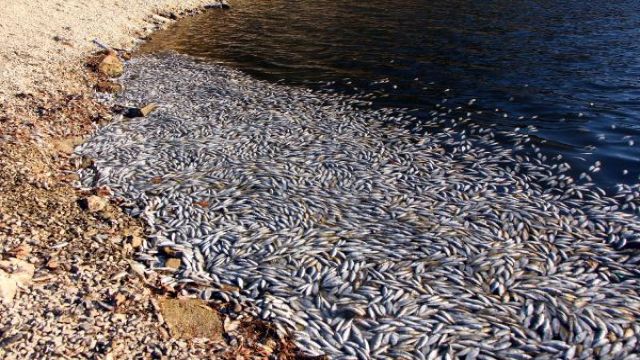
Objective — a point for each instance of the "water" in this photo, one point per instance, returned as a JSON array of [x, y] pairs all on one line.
[[566, 72]]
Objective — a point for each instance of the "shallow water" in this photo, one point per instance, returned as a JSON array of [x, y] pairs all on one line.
[[570, 69]]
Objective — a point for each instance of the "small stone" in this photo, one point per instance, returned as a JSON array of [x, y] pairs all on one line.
[[21, 251], [14, 273], [135, 241], [67, 145], [190, 318], [53, 264], [94, 203], [173, 263], [220, 4], [72, 177], [83, 162], [230, 325], [142, 111], [106, 86], [119, 299], [237, 308], [172, 16], [111, 66], [169, 251], [8, 287], [63, 40]]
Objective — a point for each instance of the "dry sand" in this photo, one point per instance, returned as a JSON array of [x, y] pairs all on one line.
[[45, 41]]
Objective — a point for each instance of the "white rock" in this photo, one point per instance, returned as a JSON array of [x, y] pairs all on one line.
[[14, 273], [8, 287]]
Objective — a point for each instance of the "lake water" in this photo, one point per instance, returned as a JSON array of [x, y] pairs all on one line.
[[568, 73]]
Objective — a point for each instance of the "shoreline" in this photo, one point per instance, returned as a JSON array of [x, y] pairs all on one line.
[[70, 286]]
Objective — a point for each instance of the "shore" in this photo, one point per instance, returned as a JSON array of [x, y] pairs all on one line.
[[69, 285], [265, 215]]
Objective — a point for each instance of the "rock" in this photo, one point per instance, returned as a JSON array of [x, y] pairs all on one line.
[[111, 66], [63, 40], [119, 299], [161, 19], [21, 251], [135, 241], [67, 145], [220, 4], [71, 177], [53, 264], [190, 318], [169, 251], [169, 14], [8, 287], [132, 237], [141, 112], [106, 86], [13, 274], [229, 325], [173, 263], [86, 162], [94, 203], [237, 308]]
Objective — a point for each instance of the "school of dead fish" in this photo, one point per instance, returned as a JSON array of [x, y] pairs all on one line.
[[366, 240]]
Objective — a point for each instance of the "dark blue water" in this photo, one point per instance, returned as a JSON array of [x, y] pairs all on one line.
[[567, 72]]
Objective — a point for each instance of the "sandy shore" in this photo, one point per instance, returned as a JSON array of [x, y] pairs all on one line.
[[44, 43], [68, 285]]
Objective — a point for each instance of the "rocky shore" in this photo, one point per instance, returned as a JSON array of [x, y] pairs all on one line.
[[69, 287]]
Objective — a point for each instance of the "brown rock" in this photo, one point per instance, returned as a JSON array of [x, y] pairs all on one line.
[[148, 109], [83, 162], [190, 318], [119, 299], [72, 177], [53, 264], [173, 263], [67, 145], [135, 241], [111, 66], [169, 251], [133, 237], [21, 251], [108, 87], [94, 203], [141, 112], [63, 40]]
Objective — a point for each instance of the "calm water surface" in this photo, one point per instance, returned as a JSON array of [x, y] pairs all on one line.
[[567, 72]]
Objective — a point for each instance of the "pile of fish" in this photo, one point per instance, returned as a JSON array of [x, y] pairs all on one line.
[[364, 239]]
